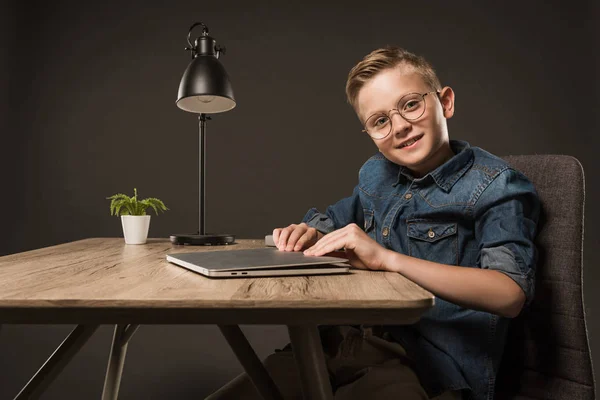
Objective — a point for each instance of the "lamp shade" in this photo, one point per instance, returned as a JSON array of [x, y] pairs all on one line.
[[205, 87]]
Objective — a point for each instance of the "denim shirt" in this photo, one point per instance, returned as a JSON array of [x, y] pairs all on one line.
[[474, 211]]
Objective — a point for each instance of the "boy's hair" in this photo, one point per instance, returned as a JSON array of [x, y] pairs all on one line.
[[387, 58]]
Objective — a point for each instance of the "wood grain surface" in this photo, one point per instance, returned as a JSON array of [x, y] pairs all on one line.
[[103, 280]]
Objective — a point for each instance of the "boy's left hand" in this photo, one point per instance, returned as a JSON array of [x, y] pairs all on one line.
[[361, 251]]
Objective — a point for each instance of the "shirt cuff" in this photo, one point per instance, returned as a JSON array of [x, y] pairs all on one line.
[[503, 260], [319, 221]]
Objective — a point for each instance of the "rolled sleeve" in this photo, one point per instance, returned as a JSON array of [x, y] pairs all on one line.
[[504, 260], [319, 221], [506, 225]]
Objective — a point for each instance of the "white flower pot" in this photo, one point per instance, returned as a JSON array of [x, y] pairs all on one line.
[[135, 228]]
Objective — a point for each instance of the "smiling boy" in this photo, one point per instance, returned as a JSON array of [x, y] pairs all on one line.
[[453, 218]]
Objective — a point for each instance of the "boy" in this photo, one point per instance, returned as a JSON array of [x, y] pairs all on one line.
[[455, 219]]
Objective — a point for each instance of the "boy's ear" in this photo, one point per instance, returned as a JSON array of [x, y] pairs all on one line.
[[447, 100]]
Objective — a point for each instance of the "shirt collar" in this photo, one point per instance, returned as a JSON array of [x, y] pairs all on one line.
[[447, 174]]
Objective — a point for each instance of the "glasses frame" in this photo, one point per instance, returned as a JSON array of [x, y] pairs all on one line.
[[397, 109]]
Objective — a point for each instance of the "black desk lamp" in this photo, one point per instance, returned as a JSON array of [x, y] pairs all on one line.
[[204, 89]]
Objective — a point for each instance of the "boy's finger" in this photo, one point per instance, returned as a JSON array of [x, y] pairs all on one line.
[[276, 232], [323, 249], [283, 238], [309, 238], [315, 234], [329, 242], [302, 242], [285, 235], [296, 234]]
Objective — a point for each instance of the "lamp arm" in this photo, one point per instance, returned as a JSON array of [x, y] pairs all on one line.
[[192, 48], [204, 32]]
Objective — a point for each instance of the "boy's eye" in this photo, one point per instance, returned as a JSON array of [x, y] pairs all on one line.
[[409, 105], [381, 121]]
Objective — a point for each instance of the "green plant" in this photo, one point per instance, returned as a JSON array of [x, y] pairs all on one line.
[[121, 204]]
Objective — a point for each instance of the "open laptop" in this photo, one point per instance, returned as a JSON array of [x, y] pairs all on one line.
[[257, 262]]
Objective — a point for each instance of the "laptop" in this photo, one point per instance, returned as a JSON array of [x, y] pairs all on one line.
[[257, 262]]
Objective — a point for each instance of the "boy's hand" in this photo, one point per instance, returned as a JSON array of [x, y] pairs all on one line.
[[362, 251], [295, 237]]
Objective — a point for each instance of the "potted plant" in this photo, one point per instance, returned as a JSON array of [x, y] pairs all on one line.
[[133, 215]]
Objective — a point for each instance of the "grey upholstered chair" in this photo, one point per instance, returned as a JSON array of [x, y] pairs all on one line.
[[547, 355]]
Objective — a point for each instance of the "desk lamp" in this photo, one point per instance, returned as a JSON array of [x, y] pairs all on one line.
[[204, 89]]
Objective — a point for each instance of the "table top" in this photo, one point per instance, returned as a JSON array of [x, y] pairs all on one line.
[[105, 281]]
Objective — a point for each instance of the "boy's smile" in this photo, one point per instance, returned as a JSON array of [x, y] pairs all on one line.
[[410, 143], [422, 144]]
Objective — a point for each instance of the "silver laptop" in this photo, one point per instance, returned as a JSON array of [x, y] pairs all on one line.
[[257, 262]]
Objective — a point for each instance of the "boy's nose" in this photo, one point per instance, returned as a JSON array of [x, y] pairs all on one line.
[[400, 126]]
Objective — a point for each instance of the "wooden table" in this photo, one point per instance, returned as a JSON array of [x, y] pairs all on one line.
[[104, 281]]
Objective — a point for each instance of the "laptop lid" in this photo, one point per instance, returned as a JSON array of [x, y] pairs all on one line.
[[257, 262]]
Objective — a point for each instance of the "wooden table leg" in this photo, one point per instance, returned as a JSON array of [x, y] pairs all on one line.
[[116, 361], [56, 362], [252, 365], [308, 352]]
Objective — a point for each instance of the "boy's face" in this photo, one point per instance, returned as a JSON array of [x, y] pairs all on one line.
[[382, 93]]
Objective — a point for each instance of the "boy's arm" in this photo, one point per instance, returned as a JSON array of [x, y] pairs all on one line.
[[505, 227], [506, 216], [477, 289]]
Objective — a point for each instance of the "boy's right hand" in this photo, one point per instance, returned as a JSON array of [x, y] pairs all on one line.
[[295, 237]]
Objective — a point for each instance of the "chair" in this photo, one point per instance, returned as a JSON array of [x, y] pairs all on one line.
[[547, 353]]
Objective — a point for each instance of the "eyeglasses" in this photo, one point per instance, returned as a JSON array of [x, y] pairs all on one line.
[[410, 106]]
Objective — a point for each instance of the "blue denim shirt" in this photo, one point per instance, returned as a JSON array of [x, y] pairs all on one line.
[[474, 211]]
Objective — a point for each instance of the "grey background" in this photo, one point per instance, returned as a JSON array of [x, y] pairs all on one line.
[[88, 110]]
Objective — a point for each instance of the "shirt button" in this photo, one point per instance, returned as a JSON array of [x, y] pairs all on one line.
[[386, 231], [408, 196], [431, 234]]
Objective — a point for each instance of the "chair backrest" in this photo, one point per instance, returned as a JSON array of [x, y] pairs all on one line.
[[547, 354]]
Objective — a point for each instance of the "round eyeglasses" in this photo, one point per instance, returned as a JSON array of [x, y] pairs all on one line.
[[411, 106]]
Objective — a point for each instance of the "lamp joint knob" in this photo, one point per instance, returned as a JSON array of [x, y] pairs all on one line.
[[220, 50]]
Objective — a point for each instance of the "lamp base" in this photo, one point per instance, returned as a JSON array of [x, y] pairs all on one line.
[[202, 240]]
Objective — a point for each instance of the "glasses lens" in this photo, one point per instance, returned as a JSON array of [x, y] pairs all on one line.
[[411, 106], [378, 126]]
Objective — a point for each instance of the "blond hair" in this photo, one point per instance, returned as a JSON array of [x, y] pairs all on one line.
[[387, 58]]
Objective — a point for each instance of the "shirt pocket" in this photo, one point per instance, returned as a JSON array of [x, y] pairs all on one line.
[[434, 241], [369, 226]]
